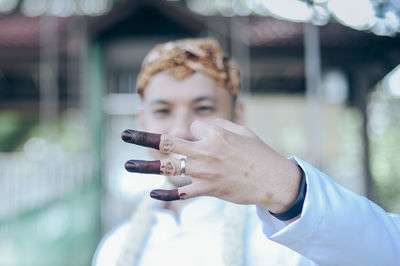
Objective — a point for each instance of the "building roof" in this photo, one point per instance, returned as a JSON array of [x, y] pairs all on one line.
[[270, 32], [18, 31]]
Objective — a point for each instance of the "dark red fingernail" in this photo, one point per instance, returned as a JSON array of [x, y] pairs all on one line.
[[182, 195], [141, 138], [165, 195], [146, 167], [126, 135]]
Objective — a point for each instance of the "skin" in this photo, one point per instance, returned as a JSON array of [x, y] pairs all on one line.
[[224, 159], [148, 140], [170, 106], [147, 167]]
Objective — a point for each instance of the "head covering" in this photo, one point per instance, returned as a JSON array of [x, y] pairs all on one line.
[[183, 57]]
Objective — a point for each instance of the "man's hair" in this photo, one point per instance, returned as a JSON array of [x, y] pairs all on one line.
[[183, 57]]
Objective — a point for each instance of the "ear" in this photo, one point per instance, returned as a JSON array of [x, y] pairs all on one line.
[[140, 119], [239, 114]]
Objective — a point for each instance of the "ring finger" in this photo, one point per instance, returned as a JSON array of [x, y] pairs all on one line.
[[168, 167]]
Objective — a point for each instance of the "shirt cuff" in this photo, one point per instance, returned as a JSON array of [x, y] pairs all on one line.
[[311, 216]]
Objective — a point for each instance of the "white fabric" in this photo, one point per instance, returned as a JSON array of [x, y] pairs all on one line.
[[337, 227], [195, 239]]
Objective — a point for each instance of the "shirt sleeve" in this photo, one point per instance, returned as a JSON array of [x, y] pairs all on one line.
[[337, 226]]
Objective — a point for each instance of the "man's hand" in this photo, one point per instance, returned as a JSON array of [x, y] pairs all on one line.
[[227, 161]]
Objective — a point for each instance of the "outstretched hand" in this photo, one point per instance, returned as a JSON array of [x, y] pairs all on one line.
[[227, 161]]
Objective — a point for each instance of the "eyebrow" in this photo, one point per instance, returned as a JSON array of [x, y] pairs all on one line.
[[204, 98], [197, 100], [155, 102]]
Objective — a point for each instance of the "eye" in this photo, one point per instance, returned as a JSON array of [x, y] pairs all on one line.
[[204, 110], [161, 111]]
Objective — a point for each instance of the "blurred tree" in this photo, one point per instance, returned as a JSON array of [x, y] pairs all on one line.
[[384, 136]]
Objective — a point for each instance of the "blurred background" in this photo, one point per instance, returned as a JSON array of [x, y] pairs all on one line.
[[321, 80]]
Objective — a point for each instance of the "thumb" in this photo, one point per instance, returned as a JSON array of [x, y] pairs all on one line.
[[233, 127], [200, 129]]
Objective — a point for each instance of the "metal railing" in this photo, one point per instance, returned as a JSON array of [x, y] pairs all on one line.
[[26, 185]]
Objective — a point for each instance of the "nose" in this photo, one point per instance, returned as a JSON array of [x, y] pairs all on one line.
[[180, 126]]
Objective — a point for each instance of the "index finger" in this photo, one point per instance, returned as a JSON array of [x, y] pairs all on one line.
[[163, 142]]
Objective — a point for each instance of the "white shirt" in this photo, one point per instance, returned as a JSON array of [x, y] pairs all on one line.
[[337, 227], [196, 238]]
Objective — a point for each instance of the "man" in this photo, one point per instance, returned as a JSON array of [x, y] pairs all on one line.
[[189, 88]]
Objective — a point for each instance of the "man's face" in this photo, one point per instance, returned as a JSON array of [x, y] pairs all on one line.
[[170, 106]]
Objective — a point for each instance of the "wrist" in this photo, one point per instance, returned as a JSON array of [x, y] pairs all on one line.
[[285, 190], [296, 207]]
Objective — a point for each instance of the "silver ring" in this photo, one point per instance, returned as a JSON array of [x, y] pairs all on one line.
[[183, 167]]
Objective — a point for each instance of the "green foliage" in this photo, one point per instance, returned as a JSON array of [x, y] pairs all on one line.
[[14, 130], [70, 133], [384, 134]]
